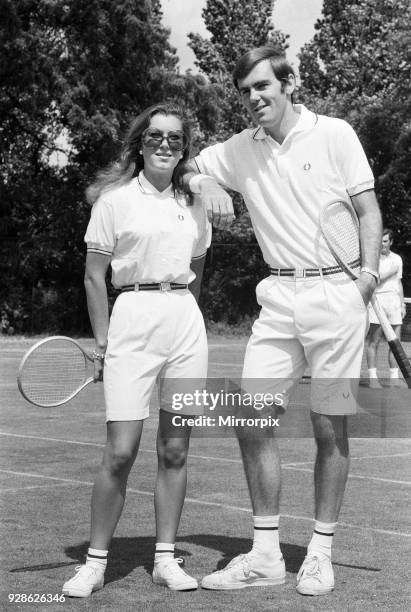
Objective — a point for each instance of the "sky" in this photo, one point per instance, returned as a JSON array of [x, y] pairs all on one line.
[[293, 17]]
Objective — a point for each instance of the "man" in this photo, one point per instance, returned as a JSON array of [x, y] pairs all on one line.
[[390, 296], [287, 169]]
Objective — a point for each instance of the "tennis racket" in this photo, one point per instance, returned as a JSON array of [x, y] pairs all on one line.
[[53, 371], [340, 229]]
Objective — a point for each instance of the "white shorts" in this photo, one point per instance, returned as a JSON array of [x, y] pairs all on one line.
[[320, 323], [153, 335], [390, 302]]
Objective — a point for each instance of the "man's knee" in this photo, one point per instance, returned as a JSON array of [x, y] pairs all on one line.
[[330, 432]]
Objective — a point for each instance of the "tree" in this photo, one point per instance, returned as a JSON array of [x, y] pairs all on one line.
[[235, 27], [72, 75], [358, 67]]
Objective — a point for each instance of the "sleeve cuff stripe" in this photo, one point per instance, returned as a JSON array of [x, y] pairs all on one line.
[[361, 187], [198, 256], [100, 251]]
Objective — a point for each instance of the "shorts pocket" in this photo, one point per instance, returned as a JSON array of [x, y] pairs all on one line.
[[358, 299], [262, 288]]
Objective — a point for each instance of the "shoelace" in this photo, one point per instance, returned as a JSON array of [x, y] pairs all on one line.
[[85, 568], [179, 561], [312, 568], [236, 561]]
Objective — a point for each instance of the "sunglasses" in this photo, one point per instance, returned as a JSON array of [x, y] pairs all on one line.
[[154, 138]]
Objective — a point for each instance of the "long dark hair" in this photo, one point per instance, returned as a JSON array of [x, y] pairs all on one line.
[[130, 161]]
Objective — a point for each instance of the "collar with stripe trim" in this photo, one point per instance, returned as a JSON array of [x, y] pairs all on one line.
[[306, 121], [147, 188]]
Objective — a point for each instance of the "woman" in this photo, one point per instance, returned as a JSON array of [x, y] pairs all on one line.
[[143, 225]]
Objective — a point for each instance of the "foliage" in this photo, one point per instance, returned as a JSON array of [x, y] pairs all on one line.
[[235, 263], [358, 67], [72, 75], [235, 27]]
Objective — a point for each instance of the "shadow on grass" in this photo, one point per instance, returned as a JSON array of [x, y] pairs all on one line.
[[127, 554], [231, 547]]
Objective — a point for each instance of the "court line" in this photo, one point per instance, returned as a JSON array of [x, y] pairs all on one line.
[[17, 489], [360, 476], [192, 500], [288, 465]]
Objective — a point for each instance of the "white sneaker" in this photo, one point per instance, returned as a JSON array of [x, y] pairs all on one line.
[[244, 571], [316, 576], [375, 384], [169, 573], [87, 579]]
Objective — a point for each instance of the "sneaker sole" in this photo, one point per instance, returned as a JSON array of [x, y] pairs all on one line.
[[74, 593], [243, 585], [307, 591], [177, 588], [193, 587]]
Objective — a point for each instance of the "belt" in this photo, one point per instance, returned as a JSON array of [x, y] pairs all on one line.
[[309, 272], [154, 287]]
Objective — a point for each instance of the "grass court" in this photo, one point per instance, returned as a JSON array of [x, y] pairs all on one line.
[[48, 461]]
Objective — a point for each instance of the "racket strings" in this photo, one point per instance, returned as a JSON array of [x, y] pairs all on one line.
[[341, 230], [53, 372]]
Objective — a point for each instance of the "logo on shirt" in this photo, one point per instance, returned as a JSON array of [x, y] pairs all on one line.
[[307, 166]]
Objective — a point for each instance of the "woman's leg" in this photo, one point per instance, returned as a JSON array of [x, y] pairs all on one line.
[[109, 491], [169, 497], [171, 480], [123, 439]]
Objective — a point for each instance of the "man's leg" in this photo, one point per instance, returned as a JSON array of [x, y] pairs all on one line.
[[334, 326], [394, 374], [371, 343], [330, 476], [264, 564], [331, 466], [273, 356]]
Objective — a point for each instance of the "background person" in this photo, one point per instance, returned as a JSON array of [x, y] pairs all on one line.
[[288, 168], [390, 294], [142, 224]]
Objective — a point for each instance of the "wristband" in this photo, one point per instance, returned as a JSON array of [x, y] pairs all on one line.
[[371, 272], [194, 182], [99, 356]]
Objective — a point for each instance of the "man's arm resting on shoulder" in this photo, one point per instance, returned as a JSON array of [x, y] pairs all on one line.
[[218, 203], [369, 216]]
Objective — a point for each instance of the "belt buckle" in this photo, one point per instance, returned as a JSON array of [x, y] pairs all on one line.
[[136, 286], [165, 286], [299, 273]]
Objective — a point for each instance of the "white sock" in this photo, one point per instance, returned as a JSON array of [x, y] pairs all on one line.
[[394, 373], [163, 551], [97, 558], [266, 540], [322, 538], [372, 372]]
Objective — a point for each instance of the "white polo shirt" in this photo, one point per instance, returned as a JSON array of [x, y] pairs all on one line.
[[390, 269], [285, 186], [151, 236]]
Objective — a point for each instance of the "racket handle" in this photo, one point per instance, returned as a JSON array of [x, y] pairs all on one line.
[[393, 342]]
